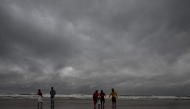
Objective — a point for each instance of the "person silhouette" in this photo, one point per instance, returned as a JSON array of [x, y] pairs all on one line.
[[95, 97], [40, 96], [114, 95], [52, 95], [102, 99]]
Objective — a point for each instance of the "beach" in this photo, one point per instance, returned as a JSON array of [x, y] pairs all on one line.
[[88, 104]]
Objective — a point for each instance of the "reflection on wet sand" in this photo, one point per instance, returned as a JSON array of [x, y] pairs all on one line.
[[99, 107], [113, 107], [40, 107]]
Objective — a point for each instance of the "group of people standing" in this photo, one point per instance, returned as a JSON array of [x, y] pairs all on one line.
[[52, 95], [99, 98]]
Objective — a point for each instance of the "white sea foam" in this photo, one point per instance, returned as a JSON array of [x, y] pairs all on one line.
[[83, 96]]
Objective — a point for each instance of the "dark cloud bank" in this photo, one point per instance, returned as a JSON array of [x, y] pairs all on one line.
[[135, 46]]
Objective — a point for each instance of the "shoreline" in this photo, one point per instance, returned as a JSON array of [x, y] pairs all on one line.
[[88, 103]]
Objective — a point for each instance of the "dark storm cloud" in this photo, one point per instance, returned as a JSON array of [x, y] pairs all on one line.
[[137, 47]]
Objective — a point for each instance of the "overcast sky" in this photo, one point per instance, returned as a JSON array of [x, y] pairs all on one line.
[[136, 47]]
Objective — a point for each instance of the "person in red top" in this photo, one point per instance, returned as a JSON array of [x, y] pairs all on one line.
[[95, 97], [102, 94], [40, 96]]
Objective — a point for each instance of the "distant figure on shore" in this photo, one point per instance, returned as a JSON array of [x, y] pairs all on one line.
[[40, 96], [114, 95], [52, 95], [95, 97], [102, 99]]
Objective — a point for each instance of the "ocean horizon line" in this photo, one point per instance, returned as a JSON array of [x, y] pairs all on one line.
[[88, 96]]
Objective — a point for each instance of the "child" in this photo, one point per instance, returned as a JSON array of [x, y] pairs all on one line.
[[99, 102], [40, 97]]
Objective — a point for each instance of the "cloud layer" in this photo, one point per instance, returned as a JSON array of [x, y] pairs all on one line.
[[137, 47]]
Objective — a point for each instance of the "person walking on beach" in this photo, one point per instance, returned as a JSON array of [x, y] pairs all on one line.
[[102, 94], [114, 95], [95, 97], [52, 95], [40, 96]]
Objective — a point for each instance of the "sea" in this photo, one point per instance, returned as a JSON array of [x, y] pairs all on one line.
[[85, 96]]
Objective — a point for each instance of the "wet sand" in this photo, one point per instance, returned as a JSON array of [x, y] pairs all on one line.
[[88, 104]]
